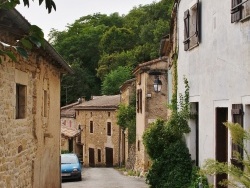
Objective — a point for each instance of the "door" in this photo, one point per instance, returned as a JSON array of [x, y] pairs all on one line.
[[91, 157], [221, 141], [109, 157], [70, 145]]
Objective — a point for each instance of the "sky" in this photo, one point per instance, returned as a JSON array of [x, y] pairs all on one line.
[[67, 11]]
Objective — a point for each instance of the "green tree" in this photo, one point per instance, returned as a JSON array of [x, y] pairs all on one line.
[[117, 40], [35, 37], [113, 80], [81, 84], [110, 62]]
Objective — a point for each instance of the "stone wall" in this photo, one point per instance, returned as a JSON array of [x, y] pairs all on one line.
[[29, 147], [99, 139]]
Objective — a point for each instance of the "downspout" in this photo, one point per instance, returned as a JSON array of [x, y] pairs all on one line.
[[119, 144]]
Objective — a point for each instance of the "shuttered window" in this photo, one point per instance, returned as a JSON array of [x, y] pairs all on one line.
[[192, 26], [240, 10], [237, 117]]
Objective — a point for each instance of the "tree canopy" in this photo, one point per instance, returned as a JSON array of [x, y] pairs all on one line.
[[101, 43]]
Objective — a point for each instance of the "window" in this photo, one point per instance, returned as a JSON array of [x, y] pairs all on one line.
[[99, 156], [20, 101], [109, 128], [240, 10], [138, 145], [45, 103], [108, 114], [192, 30], [139, 101], [91, 127]]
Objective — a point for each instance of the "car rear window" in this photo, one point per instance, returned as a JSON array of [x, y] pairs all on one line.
[[68, 159]]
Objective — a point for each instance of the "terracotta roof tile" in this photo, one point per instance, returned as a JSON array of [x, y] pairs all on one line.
[[101, 102]]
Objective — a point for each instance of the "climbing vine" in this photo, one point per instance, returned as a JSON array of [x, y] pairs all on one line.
[[126, 119]]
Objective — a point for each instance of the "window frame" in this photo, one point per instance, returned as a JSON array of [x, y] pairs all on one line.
[[109, 129], [237, 10], [91, 127], [192, 40], [21, 101]]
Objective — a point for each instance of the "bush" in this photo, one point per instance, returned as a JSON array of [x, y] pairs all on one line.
[[173, 169], [198, 178]]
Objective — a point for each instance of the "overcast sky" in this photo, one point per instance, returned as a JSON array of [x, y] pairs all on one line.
[[67, 11]]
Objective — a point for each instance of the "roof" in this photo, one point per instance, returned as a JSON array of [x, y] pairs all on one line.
[[22, 27], [127, 83], [146, 65], [69, 132], [68, 110], [107, 102]]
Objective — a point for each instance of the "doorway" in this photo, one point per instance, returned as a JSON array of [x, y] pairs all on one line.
[[109, 157], [91, 157], [221, 141]]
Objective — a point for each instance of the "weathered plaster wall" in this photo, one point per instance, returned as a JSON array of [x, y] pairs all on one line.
[[218, 69], [29, 147]]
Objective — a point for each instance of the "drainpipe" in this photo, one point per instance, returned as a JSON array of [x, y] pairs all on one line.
[[119, 148]]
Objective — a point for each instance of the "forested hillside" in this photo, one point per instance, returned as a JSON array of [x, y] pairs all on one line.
[[104, 49]]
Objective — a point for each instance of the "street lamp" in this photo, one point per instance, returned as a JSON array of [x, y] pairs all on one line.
[[157, 84]]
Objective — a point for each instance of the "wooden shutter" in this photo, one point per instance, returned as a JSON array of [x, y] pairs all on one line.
[[237, 117], [140, 100], [198, 22], [236, 11], [186, 30], [137, 101]]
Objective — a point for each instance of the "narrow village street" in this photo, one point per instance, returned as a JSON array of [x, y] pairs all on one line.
[[105, 178]]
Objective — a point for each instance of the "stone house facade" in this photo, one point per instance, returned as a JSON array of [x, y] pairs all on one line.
[[213, 50], [150, 105], [100, 133], [127, 148], [70, 130], [30, 111]]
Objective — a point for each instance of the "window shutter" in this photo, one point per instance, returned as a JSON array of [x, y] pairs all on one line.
[[186, 30], [140, 101], [137, 101], [236, 12], [237, 117], [198, 22]]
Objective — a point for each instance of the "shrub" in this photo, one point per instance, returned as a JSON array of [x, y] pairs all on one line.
[[173, 169]]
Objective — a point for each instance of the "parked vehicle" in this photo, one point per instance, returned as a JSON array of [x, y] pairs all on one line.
[[71, 167]]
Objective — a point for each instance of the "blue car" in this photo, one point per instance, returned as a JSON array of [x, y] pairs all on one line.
[[71, 167]]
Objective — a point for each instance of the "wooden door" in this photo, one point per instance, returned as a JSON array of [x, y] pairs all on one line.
[[91, 157], [221, 141], [109, 157]]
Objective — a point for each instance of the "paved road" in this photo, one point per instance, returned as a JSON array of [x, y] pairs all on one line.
[[105, 178]]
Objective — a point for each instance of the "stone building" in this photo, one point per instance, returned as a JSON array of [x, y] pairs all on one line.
[[30, 111], [70, 130], [151, 102], [211, 41], [100, 132], [127, 148]]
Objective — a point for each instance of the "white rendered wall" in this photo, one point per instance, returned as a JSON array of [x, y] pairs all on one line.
[[218, 70]]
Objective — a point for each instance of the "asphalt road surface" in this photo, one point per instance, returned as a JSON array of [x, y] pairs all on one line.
[[105, 178]]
